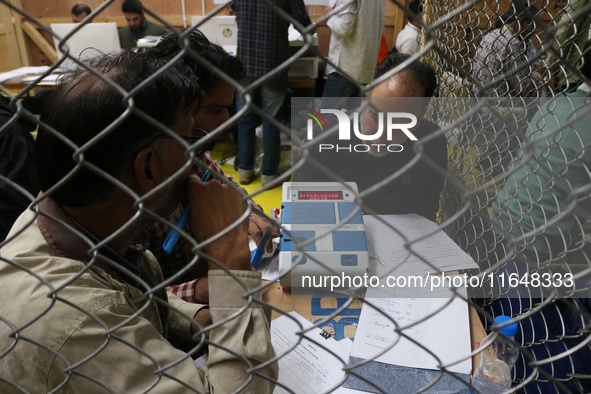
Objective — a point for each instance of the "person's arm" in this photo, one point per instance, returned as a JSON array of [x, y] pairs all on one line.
[[145, 360], [342, 22], [299, 13], [242, 340], [159, 30], [246, 333], [186, 291]]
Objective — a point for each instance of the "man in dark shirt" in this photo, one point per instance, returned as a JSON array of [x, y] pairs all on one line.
[[137, 25], [401, 172], [17, 164], [263, 45]]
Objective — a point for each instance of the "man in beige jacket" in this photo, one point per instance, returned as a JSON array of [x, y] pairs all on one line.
[[80, 311]]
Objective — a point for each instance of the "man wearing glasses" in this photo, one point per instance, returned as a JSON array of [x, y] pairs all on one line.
[[218, 101], [80, 310]]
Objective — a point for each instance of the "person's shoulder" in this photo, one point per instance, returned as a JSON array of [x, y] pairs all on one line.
[[407, 29], [153, 29], [155, 26], [124, 31]]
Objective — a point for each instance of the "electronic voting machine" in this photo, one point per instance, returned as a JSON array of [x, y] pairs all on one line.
[[322, 231]]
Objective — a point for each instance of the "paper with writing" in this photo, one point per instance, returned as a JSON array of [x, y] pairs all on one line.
[[309, 367], [387, 235], [439, 324]]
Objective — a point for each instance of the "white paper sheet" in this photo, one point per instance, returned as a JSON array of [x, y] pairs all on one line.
[[16, 75], [446, 333], [49, 80], [269, 266], [387, 245], [309, 368]]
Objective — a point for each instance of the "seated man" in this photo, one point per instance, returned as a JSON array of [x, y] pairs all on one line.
[[408, 40], [137, 25], [81, 311], [405, 181], [218, 101], [79, 12], [542, 213], [509, 52]]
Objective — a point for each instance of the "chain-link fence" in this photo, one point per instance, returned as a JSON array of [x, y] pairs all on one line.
[[501, 164]]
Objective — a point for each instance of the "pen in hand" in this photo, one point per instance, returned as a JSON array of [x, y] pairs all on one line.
[[257, 254], [173, 235]]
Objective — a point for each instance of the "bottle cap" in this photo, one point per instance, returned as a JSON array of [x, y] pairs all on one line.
[[509, 330]]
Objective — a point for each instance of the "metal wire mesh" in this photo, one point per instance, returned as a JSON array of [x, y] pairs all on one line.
[[516, 199]]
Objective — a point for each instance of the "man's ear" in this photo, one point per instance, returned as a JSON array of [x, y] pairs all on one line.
[[148, 169]]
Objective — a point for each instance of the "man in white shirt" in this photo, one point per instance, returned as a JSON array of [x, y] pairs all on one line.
[[407, 40], [357, 28]]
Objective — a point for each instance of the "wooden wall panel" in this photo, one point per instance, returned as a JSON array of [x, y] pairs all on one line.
[[479, 17], [12, 39], [58, 11]]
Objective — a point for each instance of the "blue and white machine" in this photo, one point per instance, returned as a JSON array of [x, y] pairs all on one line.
[[326, 211]]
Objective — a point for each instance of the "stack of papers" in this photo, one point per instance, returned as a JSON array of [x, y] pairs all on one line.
[[411, 245], [148, 41], [296, 39], [440, 324], [406, 334], [408, 340], [50, 80], [17, 75]]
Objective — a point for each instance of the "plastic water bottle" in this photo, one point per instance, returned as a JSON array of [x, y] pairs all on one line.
[[493, 374]]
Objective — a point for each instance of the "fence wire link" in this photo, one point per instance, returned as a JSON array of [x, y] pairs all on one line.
[[516, 196]]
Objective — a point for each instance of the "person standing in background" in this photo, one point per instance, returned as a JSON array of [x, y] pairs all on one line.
[[357, 28], [263, 46], [407, 41], [137, 25], [213, 112]]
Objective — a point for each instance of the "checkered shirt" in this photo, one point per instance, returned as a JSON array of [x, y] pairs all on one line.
[[262, 34]]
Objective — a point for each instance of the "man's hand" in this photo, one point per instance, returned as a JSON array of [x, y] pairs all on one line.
[[257, 226], [215, 207]]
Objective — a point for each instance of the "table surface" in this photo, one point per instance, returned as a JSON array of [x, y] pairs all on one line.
[[314, 309]]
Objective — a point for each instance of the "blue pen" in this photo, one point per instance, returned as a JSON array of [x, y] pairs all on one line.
[[257, 254], [173, 235]]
